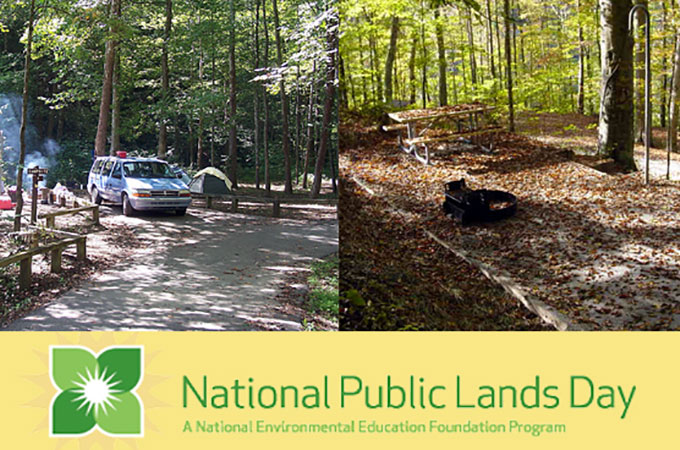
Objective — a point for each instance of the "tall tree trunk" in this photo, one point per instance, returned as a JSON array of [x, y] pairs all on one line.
[[201, 158], [256, 109], [581, 62], [508, 64], [24, 120], [616, 108], [115, 107], [674, 110], [514, 37], [364, 90], [471, 44], [498, 40], [638, 135], [233, 151], [490, 37], [439, 31], [389, 62], [265, 100], [310, 128], [105, 104], [331, 162], [345, 80], [165, 83], [664, 68], [412, 70], [422, 42], [214, 157], [332, 42], [297, 125], [285, 135], [454, 83]]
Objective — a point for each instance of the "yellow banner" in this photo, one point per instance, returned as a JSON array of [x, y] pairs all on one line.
[[339, 390]]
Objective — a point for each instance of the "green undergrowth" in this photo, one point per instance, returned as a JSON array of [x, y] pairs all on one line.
[[323, 287]]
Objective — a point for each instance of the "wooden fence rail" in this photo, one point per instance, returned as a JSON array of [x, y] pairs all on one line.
[[50, 217], [55, 249], [274, 201]]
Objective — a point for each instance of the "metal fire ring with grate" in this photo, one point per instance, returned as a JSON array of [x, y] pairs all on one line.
[[483, 205]]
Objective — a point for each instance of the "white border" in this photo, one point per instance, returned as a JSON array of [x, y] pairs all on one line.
[[96, 426]]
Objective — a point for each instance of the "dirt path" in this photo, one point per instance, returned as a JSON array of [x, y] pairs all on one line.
[[206, 271]]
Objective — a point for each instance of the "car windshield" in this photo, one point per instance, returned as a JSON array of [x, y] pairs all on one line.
[[147, 169]]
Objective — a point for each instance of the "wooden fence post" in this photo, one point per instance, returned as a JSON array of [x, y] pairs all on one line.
[[82, 249], [276, 210], [234, 204], [56, 260], [95, 215], [208, 201], [25, 272]]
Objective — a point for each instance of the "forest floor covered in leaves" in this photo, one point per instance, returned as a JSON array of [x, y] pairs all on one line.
[[601, 250], [578, 133]]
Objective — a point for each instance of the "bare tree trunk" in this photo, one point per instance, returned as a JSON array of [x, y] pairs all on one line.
[[345, 79], [24, 120], [639, 132], [107, 85], [439, 31], [165, 83], [498, 40], [581, 62], [672, 131], [297, 125], [616, 108], [265, 99], [471, 44], [490, 37], [389, 62], [115, 108], [332, 42], [285, 135], [233, 151], [310, 129], [422, 42], [200, 150], [412, 70], [256, 109], [664, 68], [508, 63], [375, 71]]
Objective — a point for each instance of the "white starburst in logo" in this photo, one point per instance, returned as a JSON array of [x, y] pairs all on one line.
[[96, 391]]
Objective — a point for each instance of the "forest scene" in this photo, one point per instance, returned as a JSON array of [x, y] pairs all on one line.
[[568, 215], [225, 110]]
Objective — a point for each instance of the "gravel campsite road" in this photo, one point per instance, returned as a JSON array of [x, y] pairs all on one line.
[[207, 271]]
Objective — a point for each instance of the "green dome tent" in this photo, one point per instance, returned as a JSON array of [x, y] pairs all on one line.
[[210, 181]]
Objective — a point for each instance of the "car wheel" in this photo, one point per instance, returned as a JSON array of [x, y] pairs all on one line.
[[128, 210], [181, 212], [96, 198]]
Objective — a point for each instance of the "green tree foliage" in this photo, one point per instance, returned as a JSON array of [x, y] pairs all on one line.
[[68, 61], [545, 52]]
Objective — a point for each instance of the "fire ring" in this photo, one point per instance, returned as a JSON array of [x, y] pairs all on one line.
[[483, 205]]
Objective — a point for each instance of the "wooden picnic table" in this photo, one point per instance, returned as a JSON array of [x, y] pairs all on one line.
[[461, 120]]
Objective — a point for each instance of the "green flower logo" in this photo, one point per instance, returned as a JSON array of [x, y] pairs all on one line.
[[96, 391]]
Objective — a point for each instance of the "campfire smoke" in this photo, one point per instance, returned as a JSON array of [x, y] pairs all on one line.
[[39, 151]]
